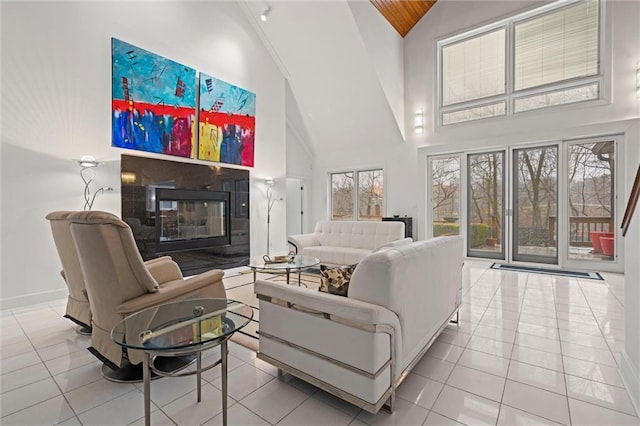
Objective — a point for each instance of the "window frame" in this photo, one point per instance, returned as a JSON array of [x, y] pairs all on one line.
[[356, 183], [511, 95]]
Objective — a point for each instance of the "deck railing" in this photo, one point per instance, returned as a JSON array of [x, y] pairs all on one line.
[[580, 229]]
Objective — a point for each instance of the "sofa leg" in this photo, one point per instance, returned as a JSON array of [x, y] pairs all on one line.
[[280, 372], [456, 321], [391, 402]]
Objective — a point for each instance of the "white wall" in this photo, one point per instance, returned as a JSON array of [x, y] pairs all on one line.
[[630, 365], [56, 105], [618, 115], [385, 49], [299, 149], [341, 98]]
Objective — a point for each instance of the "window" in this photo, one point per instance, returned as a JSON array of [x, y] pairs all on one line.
[[357, 191], [445, 196], [474, 68], [555, 61], [342, 196]]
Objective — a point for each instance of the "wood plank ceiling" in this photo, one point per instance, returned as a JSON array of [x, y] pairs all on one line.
[[403, 14]]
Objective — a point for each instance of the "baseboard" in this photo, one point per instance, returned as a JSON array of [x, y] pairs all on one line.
[[33, 299], [631, 380]]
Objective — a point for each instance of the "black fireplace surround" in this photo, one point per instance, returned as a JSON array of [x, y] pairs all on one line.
[[197, 214]]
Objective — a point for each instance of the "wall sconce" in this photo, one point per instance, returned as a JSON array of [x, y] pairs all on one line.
[[418, 122], [638, 80], [265, 15], [87, 165]]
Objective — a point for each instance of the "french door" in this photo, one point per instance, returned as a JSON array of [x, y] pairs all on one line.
[[486, 205], [535, 204], [549, 204]]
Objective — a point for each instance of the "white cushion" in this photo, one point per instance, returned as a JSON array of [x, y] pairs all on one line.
[[358, 234], [397, 243], [336, 255]]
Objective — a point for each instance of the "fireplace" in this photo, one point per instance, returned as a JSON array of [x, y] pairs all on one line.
[[187, 219], [197, 214]]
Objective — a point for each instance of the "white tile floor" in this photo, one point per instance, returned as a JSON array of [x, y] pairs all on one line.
[[530, 349]]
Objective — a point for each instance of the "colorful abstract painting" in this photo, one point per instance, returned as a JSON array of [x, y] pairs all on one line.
[[153, 102], [226, 121]]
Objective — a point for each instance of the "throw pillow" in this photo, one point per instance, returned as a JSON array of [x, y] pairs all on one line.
[[336, 280]]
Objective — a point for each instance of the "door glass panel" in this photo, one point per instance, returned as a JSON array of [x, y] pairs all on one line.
[[591, 201], [485, 205], [535, 204], [445, 196]]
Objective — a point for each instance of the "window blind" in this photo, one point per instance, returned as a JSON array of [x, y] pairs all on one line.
[[474, 68], [557, 46]]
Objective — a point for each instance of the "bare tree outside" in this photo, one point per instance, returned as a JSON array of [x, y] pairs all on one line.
[[342, 187], [591, 179], [590, 220], [485, 201], [369, 185], [536, 200], [370, 195], [591, 198], [445, 196]]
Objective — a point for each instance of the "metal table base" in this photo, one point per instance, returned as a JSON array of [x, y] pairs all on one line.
[[147, 367]]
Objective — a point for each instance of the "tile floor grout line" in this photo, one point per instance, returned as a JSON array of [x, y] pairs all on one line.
[[526, 384], [444, 384], [504, 388], [464, 349], [296, 407], [564, 376], [62, 393], [599, 328]]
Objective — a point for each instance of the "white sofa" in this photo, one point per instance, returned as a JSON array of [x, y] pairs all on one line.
[[347, 242], [362, 346]]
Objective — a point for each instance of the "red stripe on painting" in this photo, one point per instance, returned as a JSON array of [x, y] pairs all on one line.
[[220, 118], [156, 109]]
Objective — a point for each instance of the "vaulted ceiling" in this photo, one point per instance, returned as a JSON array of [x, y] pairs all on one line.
[[403, 14], [332, 75]]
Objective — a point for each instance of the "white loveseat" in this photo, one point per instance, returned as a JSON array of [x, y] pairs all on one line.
[[347, 242], [361, 347]]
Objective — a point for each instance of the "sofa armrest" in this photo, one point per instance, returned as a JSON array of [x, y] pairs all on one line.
[[392, 244], [301, 241], [156, 260], [212, 275], [315, 302], [163, 270], [176, 290], [334, 311]]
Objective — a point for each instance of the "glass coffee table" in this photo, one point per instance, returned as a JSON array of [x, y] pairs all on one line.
[[296, 264], [187, 327]]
